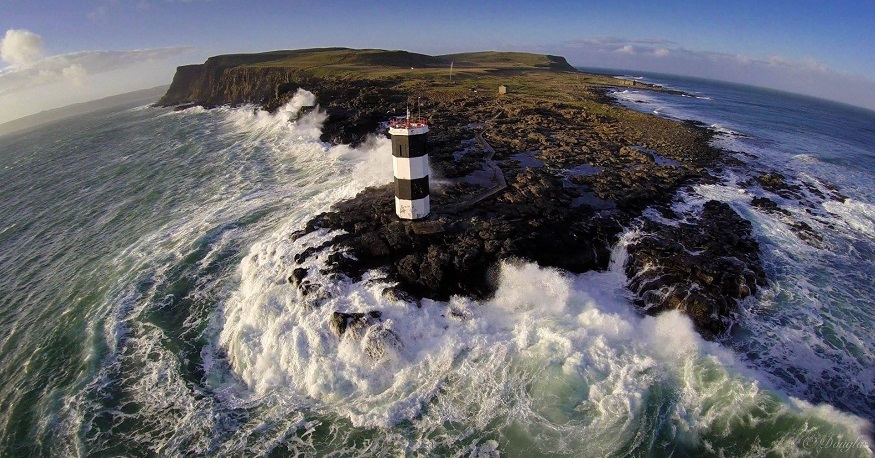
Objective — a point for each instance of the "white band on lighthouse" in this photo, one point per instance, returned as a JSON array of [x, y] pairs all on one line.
[[416, 209], [410, 166]]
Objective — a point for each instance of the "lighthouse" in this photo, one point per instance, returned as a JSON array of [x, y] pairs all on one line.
[[410, 163]]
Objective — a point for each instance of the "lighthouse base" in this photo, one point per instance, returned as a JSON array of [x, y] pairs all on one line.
[[412, 209]]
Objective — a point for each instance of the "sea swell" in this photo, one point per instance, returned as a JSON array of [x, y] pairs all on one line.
[[200, 345], [810, 205], [157, 334], [554, 363]]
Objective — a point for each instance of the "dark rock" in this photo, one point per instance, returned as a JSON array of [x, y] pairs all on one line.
[[378, 340], [393, 293], [454, 253], [297, 275], [184, 106], [768, 205], [342, 322], [307, 288], [776, 183], [802, 229], [368, 328], [371, 244], [807, 234], [700, 267], [541, 216]]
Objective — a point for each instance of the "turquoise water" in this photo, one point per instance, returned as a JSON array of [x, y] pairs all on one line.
[[144, 310]]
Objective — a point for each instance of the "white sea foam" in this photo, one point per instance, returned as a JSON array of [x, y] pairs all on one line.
[[260, 122], [311, 176], [721, 129], [631, 96], [554, 363], [860, 216], [806, 330], [564, 356], [807, 327], [806, 158], [195, 109]]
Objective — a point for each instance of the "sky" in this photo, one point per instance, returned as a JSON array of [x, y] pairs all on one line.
[[54, 53]]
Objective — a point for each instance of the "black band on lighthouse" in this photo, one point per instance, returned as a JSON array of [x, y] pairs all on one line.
[[411, 189], [409, 145]]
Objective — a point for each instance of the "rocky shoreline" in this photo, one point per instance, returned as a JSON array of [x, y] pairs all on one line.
[[564, 206], [578, 169]]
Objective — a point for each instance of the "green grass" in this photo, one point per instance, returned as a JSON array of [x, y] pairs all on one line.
[[495, 59], [526, 73], [536, 76], [370, 60]]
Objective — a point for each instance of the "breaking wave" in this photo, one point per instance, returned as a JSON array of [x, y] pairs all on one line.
[[200, 345]]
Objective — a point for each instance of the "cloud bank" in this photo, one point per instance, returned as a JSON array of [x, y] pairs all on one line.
[[75, 67], [30, 82], [805, 76]]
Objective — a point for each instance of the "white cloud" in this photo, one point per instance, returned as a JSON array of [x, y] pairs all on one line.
[[103, 13], [32, 83], [661, 52], [616, 41], [75, 67], [21, 47], [75, 74], [805, 76], [811, 63]]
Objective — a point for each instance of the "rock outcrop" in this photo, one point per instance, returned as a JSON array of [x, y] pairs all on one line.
[[456, 252], [700, 267]]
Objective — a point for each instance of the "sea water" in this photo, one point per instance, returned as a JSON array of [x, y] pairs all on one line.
[[145, 307], [812, 329]]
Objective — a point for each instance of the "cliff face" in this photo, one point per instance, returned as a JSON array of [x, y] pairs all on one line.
[[354, 107], [213, 85], [266, 77], [355, 87], [560, 64], [183, 86]]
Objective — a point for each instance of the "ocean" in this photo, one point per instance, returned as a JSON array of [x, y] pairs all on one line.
[[144, 306]]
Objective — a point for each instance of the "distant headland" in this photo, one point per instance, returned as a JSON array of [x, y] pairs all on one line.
[[576, 167], [57, 114]]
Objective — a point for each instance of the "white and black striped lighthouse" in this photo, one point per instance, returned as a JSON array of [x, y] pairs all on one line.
[[410, 163]]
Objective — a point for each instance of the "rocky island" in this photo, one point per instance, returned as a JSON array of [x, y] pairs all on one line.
[[550, 171]]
